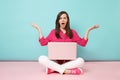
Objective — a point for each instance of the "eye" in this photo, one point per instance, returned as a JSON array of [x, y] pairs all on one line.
[[65, 18], [60, 18]]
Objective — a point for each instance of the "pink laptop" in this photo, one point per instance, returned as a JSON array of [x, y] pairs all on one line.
[[62, 50]]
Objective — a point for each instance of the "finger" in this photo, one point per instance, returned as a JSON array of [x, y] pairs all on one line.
[[32, 24], [96, 26]]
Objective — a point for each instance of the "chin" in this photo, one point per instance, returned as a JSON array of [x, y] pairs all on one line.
[[63, 27]]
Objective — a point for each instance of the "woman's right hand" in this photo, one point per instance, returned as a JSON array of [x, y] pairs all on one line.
[[35, 26], [38, 28]]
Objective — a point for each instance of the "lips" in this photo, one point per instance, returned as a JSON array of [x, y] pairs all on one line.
[[62, 23]]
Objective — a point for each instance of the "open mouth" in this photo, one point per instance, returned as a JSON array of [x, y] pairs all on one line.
[[62, 23]]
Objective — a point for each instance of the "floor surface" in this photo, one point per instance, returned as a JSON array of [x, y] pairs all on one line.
[[35, 71]]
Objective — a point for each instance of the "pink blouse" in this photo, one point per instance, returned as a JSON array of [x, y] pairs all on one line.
[[64, 38]]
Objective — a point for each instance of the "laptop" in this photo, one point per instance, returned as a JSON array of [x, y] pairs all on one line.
[[62, 50]]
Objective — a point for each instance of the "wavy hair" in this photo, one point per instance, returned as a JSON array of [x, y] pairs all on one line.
[[67, 27]]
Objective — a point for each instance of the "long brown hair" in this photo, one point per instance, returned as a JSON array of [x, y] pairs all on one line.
[[67, 27]]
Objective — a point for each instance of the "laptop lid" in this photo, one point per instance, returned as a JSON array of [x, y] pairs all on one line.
[[62, 50]]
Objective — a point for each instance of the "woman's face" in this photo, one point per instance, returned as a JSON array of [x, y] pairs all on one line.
[[63, 21]]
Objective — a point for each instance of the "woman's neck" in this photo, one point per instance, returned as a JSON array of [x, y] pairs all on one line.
[[63, 30]]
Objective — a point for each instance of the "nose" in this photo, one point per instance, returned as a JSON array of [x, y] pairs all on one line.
[[62, 19]]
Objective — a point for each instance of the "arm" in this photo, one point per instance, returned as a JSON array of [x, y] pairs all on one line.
[[89, 29], [38, 29]]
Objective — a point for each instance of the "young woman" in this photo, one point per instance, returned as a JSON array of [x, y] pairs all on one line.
[[63, 33]]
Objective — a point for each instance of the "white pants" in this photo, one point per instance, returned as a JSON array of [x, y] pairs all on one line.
[[44, 60]]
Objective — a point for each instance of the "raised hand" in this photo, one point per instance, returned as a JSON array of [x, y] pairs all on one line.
[[35, 26], [93, 27], [38, 28]]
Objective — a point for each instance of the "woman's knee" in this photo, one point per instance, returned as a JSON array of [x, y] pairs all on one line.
[[42, 58], [80, 60]]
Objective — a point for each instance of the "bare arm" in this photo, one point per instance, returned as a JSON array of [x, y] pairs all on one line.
[[38, 29], [89, 29]]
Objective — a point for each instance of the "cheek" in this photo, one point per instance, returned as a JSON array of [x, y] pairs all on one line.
[[59, 21], [66, 20]]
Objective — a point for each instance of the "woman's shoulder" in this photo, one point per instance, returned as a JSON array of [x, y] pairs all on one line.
[[53, 30], [73, 31]]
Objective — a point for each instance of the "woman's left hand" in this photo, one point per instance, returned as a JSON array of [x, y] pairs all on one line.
[[93, 27]]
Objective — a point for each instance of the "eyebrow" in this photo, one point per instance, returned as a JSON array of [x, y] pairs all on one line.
[[63, 17]]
